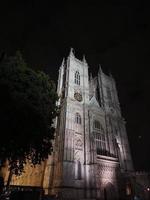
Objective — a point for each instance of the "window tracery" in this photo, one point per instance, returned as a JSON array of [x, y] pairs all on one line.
[[77, 78], [97, 125], [100, 140]]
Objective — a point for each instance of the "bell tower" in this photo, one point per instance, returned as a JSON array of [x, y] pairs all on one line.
[[72, 127]]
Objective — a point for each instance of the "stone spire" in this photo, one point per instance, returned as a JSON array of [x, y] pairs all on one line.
[[71, 54], [63, 62], [100, 69], [60, 79], [84, 60]]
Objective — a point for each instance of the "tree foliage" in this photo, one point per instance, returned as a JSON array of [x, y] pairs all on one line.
[[27, 109]]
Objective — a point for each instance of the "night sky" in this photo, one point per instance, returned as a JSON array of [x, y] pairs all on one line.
[[115, 34]]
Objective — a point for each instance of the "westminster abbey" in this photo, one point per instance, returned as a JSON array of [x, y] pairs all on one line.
[[91, 158]]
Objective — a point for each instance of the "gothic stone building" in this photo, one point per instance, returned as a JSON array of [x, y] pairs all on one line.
[[92, 149], [91, 158]]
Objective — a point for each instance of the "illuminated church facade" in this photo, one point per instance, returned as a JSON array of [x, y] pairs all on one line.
[[91, 158], [91, 147]]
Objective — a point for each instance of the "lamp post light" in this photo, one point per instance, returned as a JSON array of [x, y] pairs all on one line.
[[148, 191]]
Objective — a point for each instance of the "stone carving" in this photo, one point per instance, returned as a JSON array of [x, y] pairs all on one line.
[[78, 144], [105, 173]]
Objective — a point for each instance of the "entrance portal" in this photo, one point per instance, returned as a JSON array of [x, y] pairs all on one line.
[[110, 192]]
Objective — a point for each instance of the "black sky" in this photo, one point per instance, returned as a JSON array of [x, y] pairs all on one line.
[[115, 34]]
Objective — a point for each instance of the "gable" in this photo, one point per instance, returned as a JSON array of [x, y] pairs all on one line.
[[94, 102]]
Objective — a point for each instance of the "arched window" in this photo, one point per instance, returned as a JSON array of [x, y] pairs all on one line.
[[100, 139], [97, 125], [100, 143], [77, 78], [78, 118]]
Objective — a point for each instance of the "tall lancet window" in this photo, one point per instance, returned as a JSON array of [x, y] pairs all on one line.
[[100, 140], [77, 118], [109, 93], [109, 96], [77, 78]]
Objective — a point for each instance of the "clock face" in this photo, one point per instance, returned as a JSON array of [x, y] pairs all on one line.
[[78, 96]]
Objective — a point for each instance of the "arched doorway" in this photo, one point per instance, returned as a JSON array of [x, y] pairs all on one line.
[[110, 192]]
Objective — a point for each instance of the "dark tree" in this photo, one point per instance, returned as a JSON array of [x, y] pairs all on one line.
[[27, 110]]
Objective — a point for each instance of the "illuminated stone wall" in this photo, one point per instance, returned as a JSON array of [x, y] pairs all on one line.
[[85, 165], [35, 176]]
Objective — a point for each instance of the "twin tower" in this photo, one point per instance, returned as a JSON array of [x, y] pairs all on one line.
[[91, 156]]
